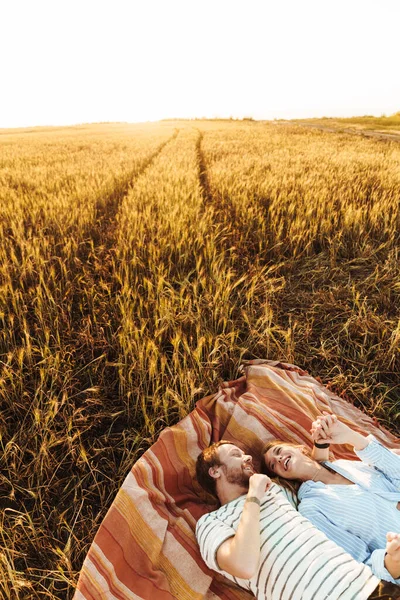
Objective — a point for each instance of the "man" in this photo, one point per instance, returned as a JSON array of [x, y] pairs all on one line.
[[259, 540]]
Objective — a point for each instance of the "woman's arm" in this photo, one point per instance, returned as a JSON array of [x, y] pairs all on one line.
[[368, 449], [377, 455], [376, 560]]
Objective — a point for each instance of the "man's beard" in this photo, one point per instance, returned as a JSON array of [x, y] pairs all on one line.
[[237, 476]]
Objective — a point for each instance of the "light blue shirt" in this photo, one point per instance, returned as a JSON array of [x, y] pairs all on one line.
[[358, 517]]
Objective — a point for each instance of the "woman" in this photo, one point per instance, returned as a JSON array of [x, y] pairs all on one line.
[[356, 504]]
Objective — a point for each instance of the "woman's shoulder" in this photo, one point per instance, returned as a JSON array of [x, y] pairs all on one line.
[[310, 489]]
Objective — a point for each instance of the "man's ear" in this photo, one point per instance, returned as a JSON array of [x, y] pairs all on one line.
[[214, 472]]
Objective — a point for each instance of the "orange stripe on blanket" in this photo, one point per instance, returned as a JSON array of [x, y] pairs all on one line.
[[287, 391], [138, 574], [180, 523], [85, 591], [223, 588], [153, 547], [100, 582], [202, 428]]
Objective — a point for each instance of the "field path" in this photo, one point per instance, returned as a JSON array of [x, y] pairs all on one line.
[[224, 212], [98, 286], [98, 251], [204, 184], [364, 133], [107, 207]]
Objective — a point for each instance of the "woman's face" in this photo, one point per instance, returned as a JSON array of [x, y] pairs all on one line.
[[286, 461]]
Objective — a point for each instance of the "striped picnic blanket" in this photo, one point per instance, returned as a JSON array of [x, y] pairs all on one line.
[[145, 547]]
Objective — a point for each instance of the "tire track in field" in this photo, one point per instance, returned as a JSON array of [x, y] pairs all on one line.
[[203, 177], [107, 207], [94, 315], [227, 214], [223, 209], [101, 237]]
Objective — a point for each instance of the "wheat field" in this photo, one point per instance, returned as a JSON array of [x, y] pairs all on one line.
[[139, 264], [389, 124]]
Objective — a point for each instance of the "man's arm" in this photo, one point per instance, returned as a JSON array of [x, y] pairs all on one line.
[[239, 555]]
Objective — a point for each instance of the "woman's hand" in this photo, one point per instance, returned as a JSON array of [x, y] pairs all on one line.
[[328, 429], [321, 428]]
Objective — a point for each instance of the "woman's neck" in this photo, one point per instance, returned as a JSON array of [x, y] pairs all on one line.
[[326, 475]]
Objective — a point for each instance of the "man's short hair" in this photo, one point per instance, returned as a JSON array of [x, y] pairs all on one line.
[[207, 459]]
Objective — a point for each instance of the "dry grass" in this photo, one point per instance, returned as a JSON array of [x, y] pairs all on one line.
[[138, 265]]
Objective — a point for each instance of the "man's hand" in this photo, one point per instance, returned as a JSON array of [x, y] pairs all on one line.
[[258, 485], [392, 558]]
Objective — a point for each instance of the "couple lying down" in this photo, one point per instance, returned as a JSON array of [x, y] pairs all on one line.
[[342, 537]]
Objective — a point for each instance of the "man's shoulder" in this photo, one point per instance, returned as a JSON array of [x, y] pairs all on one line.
[[207, 517], [284, 494], [222, 510]]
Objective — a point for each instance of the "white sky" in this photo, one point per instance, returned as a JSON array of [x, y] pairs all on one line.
[[75, 61]]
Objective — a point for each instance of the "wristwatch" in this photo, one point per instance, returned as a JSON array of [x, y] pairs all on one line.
[[253, 499], [317, 445]]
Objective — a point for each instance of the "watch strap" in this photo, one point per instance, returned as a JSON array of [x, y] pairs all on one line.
[[322, 446], [253, 499]]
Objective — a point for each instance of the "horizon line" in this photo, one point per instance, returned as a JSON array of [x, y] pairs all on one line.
[[216, 118]]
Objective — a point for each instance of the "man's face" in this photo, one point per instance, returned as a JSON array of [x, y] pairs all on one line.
[[236, 466]]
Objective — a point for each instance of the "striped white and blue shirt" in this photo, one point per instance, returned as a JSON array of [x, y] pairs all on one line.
[[357, 517], [297, 561]]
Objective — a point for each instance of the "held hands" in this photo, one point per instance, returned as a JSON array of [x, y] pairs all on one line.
[[328, 429], [258, 485]]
